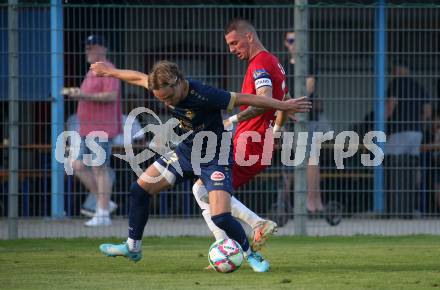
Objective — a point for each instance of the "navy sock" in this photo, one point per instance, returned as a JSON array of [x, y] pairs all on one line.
[[138, 212], [232, 228]]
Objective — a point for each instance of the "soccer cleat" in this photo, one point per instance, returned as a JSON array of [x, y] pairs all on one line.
[[97, 221], [122, 250], [257, 262], [89, 210], [261, 232]]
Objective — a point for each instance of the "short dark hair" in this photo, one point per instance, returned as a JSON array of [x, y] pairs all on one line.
[[238, 24]]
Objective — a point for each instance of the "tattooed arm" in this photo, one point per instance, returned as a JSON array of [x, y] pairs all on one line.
[[251, 111]]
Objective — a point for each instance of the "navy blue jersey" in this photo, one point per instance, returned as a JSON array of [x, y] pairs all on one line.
[[201, 109]]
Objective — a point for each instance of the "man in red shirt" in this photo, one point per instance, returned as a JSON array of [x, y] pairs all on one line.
[[264, 77], [99, 115]]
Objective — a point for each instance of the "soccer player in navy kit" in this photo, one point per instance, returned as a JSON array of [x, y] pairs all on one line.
[[198, 108], [264, 77]]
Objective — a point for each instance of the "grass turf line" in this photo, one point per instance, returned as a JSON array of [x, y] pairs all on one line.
[[362, 262]]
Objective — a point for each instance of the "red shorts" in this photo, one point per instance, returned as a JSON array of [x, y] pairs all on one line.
[[243, 174]]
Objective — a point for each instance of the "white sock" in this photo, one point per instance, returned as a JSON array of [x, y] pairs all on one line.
[[240, 211], [200, 191], [218, 233], [100, 212], [134, 245]]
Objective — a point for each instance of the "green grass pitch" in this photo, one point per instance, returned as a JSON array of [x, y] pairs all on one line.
[[177, 263]]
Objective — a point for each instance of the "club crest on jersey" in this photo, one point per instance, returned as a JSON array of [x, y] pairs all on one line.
[[259, 73], [190, 114], [217, 176]]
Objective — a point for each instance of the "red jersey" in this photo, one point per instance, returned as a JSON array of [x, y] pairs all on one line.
[[263, 70]]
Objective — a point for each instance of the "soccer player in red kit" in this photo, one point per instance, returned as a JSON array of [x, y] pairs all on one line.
[[264, 77]]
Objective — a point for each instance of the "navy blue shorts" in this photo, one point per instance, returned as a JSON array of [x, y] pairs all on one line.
[[213, 175]]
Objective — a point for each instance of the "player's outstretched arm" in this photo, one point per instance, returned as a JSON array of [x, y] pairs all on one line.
[[300, 105], [133, 77], [251, 112], [281, 116]]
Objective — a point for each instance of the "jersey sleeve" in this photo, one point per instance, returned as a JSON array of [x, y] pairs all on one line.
[[261, 76], [218, 99]]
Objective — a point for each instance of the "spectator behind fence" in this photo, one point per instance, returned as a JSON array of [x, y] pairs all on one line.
[[406, 109], [99, 114], [317, 123]]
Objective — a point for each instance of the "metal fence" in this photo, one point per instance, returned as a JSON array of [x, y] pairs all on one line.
[[366, 60]]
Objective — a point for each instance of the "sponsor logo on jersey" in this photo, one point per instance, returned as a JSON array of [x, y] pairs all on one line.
[[263, 82], [217, 176], [260, 73]]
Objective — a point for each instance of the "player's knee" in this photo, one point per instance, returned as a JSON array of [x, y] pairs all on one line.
[[222, 220], [150, 186]]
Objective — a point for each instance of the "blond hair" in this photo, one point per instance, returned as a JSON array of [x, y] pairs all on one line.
[[163, 74]]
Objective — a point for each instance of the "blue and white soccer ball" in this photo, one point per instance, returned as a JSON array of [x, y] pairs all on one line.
[[225, 256]]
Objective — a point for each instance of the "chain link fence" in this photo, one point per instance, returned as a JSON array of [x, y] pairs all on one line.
[[344, 65]]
